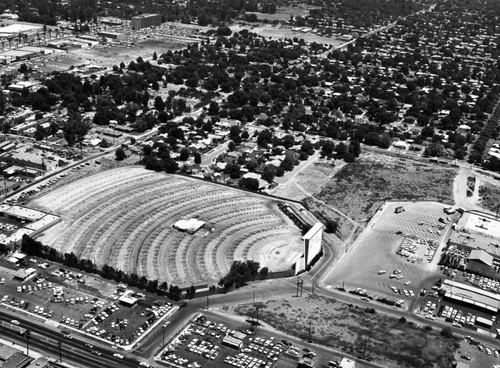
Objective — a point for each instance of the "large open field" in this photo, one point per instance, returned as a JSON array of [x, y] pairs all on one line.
[[359, 188], [388, 342], [123, 218]]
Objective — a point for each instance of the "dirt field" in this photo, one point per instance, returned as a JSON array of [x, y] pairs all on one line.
[[124, 218], [114, 55], [284, 13], [281, 31], [359, 189], [388, 341]]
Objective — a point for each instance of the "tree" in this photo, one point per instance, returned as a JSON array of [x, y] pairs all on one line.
[[354, 148], [3, 103], [263, 273], [184, 154], [213, 108], [249, 183], [159, 104], [327, 147], [233, 170], [224, 31], [269, 173], [197, 158], [39, 132], [75, 129], [23, 68], [120, 154], [447, 332]]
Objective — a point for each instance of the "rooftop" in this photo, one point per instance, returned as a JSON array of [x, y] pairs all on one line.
[[478, 231]]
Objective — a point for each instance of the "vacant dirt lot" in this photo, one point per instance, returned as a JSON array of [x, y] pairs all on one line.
[[359, 189], [281, 31], [114, 55], [388, 342]]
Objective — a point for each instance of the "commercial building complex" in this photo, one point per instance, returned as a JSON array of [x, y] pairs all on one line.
[[478, 235], [145, 21]]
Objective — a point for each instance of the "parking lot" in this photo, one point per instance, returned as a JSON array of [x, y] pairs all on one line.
[[68, 299], [376, 249], [209, 341]]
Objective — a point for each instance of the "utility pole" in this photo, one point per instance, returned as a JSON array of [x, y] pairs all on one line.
[[364, 349], [309, 334], [28, 336], [256, 315], [163, 335], [207, 302]]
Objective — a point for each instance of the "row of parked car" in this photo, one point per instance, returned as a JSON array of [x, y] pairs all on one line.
[[243, 360], [484, 283], [458, 317]]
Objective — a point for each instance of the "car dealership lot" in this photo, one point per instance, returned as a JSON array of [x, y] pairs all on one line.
[[60, 295], [212, 341]]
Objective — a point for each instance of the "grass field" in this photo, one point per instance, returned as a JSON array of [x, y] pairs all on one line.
[[345, 327], [358, 189]]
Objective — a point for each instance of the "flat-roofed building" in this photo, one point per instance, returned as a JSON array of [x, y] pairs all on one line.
[[25, 159], [232, 342], [145, 21], [190, 226], [16, 28], [347, 363], [471, 296]]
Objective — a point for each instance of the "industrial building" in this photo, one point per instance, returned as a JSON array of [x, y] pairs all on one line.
[[13, 30], [145, 21]]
